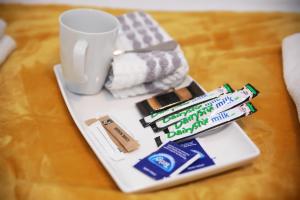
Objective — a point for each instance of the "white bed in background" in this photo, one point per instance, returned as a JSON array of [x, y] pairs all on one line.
[[179, 5]]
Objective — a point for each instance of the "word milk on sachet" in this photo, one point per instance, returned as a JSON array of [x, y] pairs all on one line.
[[190, 129], [219, 104], [146, 121], [169, 160]]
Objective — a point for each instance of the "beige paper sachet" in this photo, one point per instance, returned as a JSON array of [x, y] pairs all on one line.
[[129, 143]]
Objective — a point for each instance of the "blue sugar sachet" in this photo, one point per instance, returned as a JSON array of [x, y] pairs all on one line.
[[203, 161], [169, 160]]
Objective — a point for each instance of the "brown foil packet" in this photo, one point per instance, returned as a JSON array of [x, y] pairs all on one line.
[[170, 98]]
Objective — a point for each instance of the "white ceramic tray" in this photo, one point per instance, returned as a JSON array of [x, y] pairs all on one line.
[[229, 147]]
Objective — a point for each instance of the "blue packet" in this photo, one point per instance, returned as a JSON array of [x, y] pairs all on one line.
[[168, 160], [203, 161]]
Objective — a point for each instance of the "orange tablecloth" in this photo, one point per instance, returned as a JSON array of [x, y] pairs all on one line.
[[43, 155]]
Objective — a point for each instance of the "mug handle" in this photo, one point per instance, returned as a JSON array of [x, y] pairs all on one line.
[[79, 57]]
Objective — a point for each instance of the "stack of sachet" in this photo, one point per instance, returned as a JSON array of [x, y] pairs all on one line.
[[134, 74], [195, 116], [7, 44]]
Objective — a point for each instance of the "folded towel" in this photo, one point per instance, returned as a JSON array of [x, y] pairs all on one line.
[[291, 67], [2, 27], [7, 45], [134, 74], [139, 30]]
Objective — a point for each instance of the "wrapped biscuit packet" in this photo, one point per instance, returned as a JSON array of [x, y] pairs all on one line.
[[170, 98]]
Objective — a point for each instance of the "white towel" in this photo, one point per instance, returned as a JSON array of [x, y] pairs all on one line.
[[140, 73], [2, 27], [7, 45], [291, 67]]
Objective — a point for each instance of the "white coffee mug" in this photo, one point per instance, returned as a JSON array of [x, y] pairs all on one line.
[[87, 41]]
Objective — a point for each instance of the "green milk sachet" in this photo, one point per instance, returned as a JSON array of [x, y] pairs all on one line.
[[216, 105], [190, 129], [146, 121]]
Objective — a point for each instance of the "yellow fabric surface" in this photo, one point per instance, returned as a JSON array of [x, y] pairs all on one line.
[[44, 157]]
